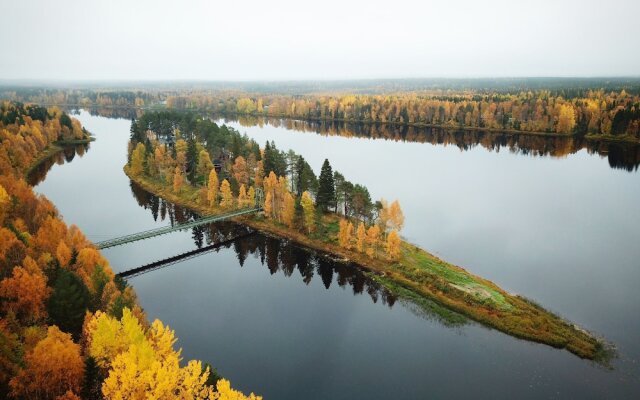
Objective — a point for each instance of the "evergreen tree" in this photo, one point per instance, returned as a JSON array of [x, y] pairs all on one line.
[[305, 178], [326, 188], [68, 302]]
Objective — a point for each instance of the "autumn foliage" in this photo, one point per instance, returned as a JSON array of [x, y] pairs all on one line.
[[54, 282]]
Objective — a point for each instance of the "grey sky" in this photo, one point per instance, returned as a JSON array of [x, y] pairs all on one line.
[[285, 39]]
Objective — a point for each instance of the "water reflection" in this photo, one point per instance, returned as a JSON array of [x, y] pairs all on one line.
[[620, 155], [278, 255], [68, 153], [111, 112]]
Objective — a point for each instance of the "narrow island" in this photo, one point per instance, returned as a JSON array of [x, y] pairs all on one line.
[[211, 169]]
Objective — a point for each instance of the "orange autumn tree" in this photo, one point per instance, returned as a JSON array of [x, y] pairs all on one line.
[[241, 171], [242, 196], [289, 210], [52, 368], [63, 254], [373, 237], [178, 179], [226, 200], [361, 236], [345, 234], [393, 245], [25, 292], [4, 203]]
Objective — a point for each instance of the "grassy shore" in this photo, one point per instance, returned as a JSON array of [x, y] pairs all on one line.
[[425, 280]]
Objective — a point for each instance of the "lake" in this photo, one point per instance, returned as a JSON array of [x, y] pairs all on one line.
[[556, 221]]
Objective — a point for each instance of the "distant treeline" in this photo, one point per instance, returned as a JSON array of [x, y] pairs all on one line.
[[595, 112], [599, 107], [565, 87]]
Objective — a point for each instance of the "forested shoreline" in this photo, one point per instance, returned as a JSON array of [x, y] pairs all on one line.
[[211, 169], [69, 327], [604, 109], [614, 115]]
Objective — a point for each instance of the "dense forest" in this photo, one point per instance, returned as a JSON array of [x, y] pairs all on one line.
[[222, 169], [69, 327], [593, 107], [592, 113]]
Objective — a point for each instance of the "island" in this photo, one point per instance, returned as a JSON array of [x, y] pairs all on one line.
[[190, 161]]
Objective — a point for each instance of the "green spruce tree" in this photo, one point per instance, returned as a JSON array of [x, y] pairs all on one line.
[[326, 188]]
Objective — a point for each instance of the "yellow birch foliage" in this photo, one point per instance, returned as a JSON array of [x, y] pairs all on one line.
[[227, 197], [393, 245], [566, 119], [212, 191], [225, 392], [309, 211], [204, 164], [251, 197], [361, 237], [143, 364], [137, 159], [396, 216], [242, 196]]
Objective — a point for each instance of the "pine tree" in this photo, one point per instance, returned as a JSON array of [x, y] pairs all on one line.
[[326, 188]]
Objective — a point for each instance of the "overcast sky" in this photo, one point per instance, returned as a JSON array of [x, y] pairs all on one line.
[[287, 39]]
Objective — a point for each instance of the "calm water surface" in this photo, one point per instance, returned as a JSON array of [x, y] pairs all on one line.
[[288, 324]]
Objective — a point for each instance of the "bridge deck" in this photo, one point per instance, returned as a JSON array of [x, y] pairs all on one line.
[[167, 229], [133, 272]]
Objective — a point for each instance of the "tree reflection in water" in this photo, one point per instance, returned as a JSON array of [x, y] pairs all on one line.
[[68, 153]]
